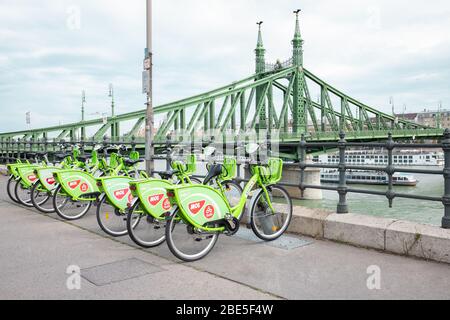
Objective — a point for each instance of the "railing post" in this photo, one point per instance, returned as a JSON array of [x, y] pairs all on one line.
[[8, 145], [446, 197], [302, 163], [133, 143], [342, 206], [169, 155], [390, 170]]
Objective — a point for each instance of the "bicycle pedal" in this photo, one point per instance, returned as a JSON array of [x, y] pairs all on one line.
[[198, 239]]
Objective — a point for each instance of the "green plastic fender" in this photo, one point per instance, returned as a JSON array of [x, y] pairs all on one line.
[[117, 191], [76, 183], [153, 196], [12, 168], [45, 176], [200, 204], [27, 175]]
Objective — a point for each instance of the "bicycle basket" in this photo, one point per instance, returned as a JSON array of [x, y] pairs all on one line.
[[114, 160], [188, 168], [229, 169], [134, 155], [271, 173]]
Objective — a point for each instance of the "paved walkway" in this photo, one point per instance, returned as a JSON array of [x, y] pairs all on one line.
[[35, 251]]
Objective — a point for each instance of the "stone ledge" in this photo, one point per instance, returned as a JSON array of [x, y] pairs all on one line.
[[389, 235], [3, 171], [310, 222], [418, 240], [358, 230]]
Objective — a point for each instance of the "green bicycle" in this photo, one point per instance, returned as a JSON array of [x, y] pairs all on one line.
[[200, 213], [77, 190], [145, 218]]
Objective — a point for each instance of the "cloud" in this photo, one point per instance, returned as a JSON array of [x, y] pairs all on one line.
[[370, 50]]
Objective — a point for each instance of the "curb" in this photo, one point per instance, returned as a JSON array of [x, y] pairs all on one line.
[[390, 235]]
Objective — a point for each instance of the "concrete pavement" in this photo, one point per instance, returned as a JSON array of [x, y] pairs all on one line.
[[35, 251]]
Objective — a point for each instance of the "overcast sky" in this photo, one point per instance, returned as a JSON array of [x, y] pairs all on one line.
[[370, 50]]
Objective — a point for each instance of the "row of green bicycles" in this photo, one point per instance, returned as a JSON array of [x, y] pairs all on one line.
[[172, 206]]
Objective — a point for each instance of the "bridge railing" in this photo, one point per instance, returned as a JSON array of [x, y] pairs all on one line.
[[13, 149]]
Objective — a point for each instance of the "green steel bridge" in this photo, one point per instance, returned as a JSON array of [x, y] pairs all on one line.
[[276, 99]]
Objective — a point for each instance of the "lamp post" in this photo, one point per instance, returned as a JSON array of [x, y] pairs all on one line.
[[111, 95], [83, 102], [147, 88]]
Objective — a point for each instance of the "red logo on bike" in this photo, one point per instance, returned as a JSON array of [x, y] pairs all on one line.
[[130, 198], [195, 207], [32, 178], [155, 199], [50, 180], [120, 194], [209, 212], [74, 184], [166, 204], [84, 187]]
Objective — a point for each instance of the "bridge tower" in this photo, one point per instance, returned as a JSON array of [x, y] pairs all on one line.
[[260, 69], [300, 119]]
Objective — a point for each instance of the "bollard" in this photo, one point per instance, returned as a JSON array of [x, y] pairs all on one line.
[[446, 197], [342, 206]]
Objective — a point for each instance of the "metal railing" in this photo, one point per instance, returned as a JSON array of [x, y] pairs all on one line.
[[11, 150]]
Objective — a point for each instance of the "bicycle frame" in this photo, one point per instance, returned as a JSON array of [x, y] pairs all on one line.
[[191, 199]]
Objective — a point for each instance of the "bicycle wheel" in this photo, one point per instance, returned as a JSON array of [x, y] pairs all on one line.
[[232, 191], [185, 242], [23, 194], [67, 208], [10, 189], [195, 180], [110, 219], [268, 225], [41, 199], [143, 229]]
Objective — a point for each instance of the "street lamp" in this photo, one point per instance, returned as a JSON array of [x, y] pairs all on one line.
[[147, 88], [111, 95]]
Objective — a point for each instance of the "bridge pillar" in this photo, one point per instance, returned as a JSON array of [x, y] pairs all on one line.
[[260, 69], [300, 124]]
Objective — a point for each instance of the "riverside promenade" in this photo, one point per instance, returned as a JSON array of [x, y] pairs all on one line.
[[36, 251]]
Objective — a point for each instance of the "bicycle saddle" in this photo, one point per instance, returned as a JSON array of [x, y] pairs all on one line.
[[60, 156], [166, 174], [42, 154], [83, 158], [31, 155], [130, 163], [214, 171]]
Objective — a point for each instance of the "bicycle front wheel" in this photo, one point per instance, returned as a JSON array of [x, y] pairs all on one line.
[[110, 219], [23, 194], [143, 229], [267, 224], [10, 189], [67, 208], [185, 242]]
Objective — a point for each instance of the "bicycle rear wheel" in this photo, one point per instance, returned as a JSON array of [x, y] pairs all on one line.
[[232, 191], [41, 200], [266, 224], [67, 208], [185, 242], [143, 229], [110, 219]]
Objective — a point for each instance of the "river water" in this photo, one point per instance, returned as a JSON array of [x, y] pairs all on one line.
[[428, 212]]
